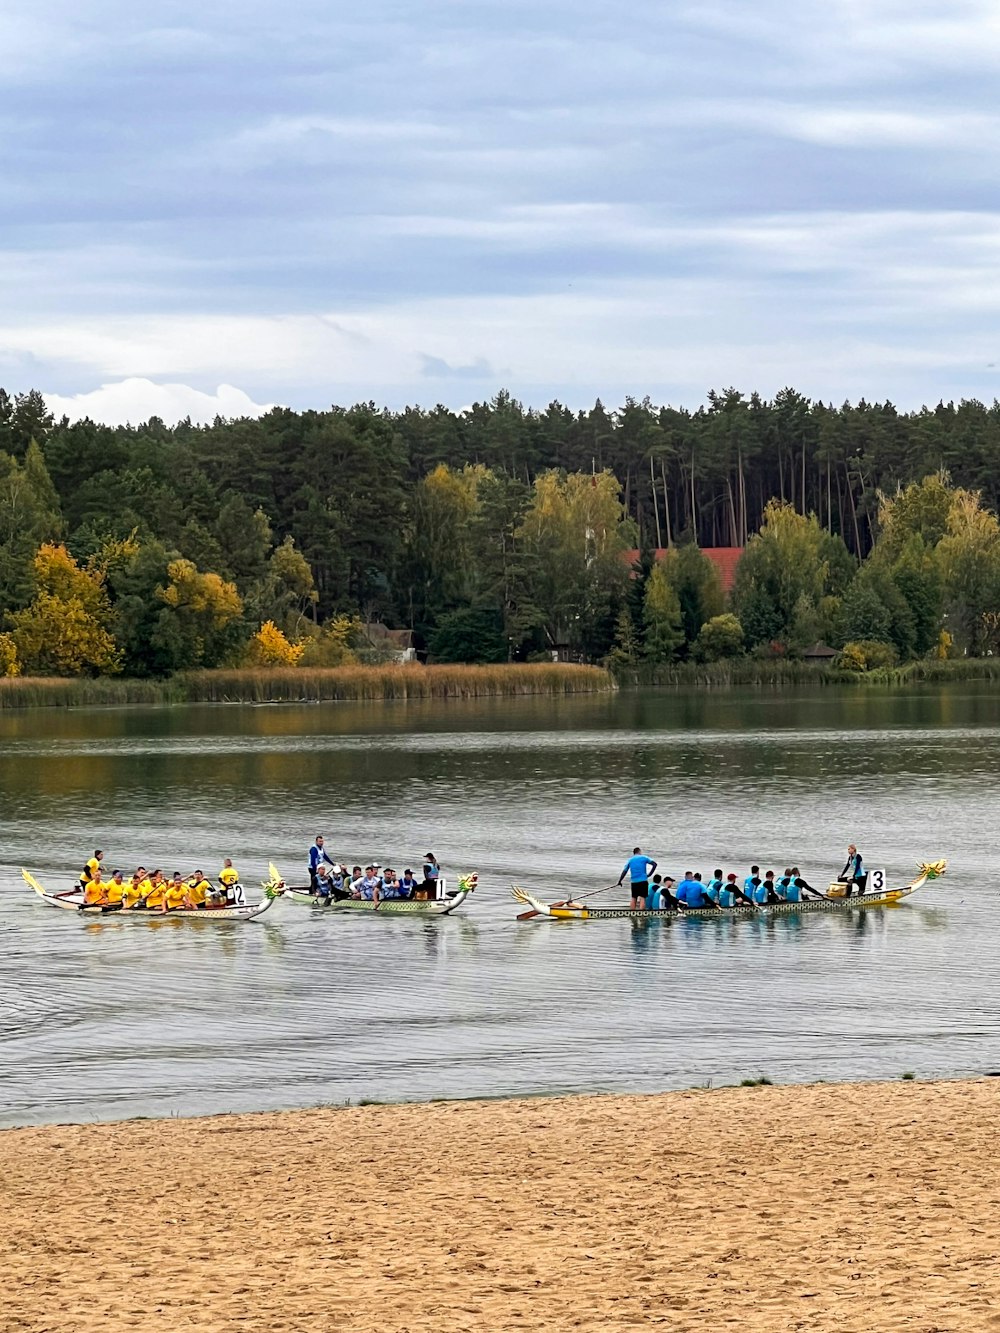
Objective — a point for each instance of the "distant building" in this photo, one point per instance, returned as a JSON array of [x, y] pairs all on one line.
[[820, 652], [724, 558]]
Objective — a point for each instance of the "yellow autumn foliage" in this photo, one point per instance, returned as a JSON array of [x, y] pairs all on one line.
[[63, 631], [269, 647]]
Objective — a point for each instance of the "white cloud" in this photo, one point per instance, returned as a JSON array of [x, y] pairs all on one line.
[[136, 400]]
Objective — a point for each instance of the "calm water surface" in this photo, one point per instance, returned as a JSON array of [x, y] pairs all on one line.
[[108, 1019]]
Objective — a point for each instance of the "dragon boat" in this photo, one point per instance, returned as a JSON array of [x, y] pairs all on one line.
[[836, 900], [272, 888], [446, 901]]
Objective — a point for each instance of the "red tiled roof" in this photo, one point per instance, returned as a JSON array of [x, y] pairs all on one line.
[[724, 558]]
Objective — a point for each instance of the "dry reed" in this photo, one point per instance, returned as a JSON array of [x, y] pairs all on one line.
[[292, 684], [392, 682]]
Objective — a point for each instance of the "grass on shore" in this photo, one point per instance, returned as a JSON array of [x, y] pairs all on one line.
[[293, 684], [778, 672]]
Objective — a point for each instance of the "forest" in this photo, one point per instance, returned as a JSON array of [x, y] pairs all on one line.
[[498, 533]]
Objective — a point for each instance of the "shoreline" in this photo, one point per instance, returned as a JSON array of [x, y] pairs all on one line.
[[418, 684], [821, 1207]]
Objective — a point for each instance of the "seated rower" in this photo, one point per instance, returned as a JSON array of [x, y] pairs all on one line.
[[714, 886], [731, 895], [176, 894], [136, 888], [229, 877], [690, 892], [95, 892], [783, 883], [752, 883], [407, 884], [766, 892], [661, 898], [116, 889], [366, 888], [800, 887], [390, 884], [198, 890], [152, 899]]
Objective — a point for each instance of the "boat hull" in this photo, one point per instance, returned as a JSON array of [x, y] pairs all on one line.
[[583, 912], [451, 902], [73, 902]]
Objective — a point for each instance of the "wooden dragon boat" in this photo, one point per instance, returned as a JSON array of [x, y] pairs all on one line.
[[272, 888], [835, 901], [446, 902]]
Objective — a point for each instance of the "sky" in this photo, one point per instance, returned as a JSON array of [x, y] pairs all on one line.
[[214, 207]]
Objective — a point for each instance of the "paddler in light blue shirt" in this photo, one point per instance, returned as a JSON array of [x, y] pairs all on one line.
[[638, 867], [714, 886]]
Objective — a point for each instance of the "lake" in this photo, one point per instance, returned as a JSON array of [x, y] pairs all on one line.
[[106, 1019]]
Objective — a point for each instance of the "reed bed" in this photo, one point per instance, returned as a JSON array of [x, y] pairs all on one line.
[[367, 683], [57, 692], [781, 672], [304, 684]]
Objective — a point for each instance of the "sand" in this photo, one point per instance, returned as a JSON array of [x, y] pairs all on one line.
[[855, 1207]]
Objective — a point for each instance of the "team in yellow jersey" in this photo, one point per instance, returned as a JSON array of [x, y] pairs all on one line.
[[151, 891]]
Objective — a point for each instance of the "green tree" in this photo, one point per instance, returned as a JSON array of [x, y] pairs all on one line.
[[720, 637], [664, 629], [469, 635]]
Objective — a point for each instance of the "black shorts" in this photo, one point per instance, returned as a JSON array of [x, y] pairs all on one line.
[[640, 888]]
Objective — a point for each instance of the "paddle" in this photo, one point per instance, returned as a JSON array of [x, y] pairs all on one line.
[[526, 916]]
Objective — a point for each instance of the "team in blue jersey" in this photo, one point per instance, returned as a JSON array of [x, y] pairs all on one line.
[[661, 893]]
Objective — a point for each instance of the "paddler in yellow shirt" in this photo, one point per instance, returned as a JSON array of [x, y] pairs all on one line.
[[115, 888], [87, 873], [137, 888], [198, 889], [95, 891], [229, 877], [176, 894], [157, 891]]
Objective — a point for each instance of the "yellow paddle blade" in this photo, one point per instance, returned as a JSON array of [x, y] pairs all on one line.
[[33, 883]]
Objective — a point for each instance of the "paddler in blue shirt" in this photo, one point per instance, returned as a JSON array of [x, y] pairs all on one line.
[[662, 899], [798, 888], [319, 856], [638, 868], [752, 883], [731, 895], [691, 892]]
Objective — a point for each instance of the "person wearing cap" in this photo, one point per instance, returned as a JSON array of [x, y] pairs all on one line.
[[116, 889], [407, 884], [432, 872], [731, 895]]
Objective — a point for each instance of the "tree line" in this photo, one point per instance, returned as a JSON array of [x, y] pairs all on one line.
[[494, 533]]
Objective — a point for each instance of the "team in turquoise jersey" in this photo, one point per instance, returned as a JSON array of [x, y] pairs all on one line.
[[652, 892]]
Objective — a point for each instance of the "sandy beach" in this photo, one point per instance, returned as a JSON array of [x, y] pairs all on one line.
[[855, 1208]]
